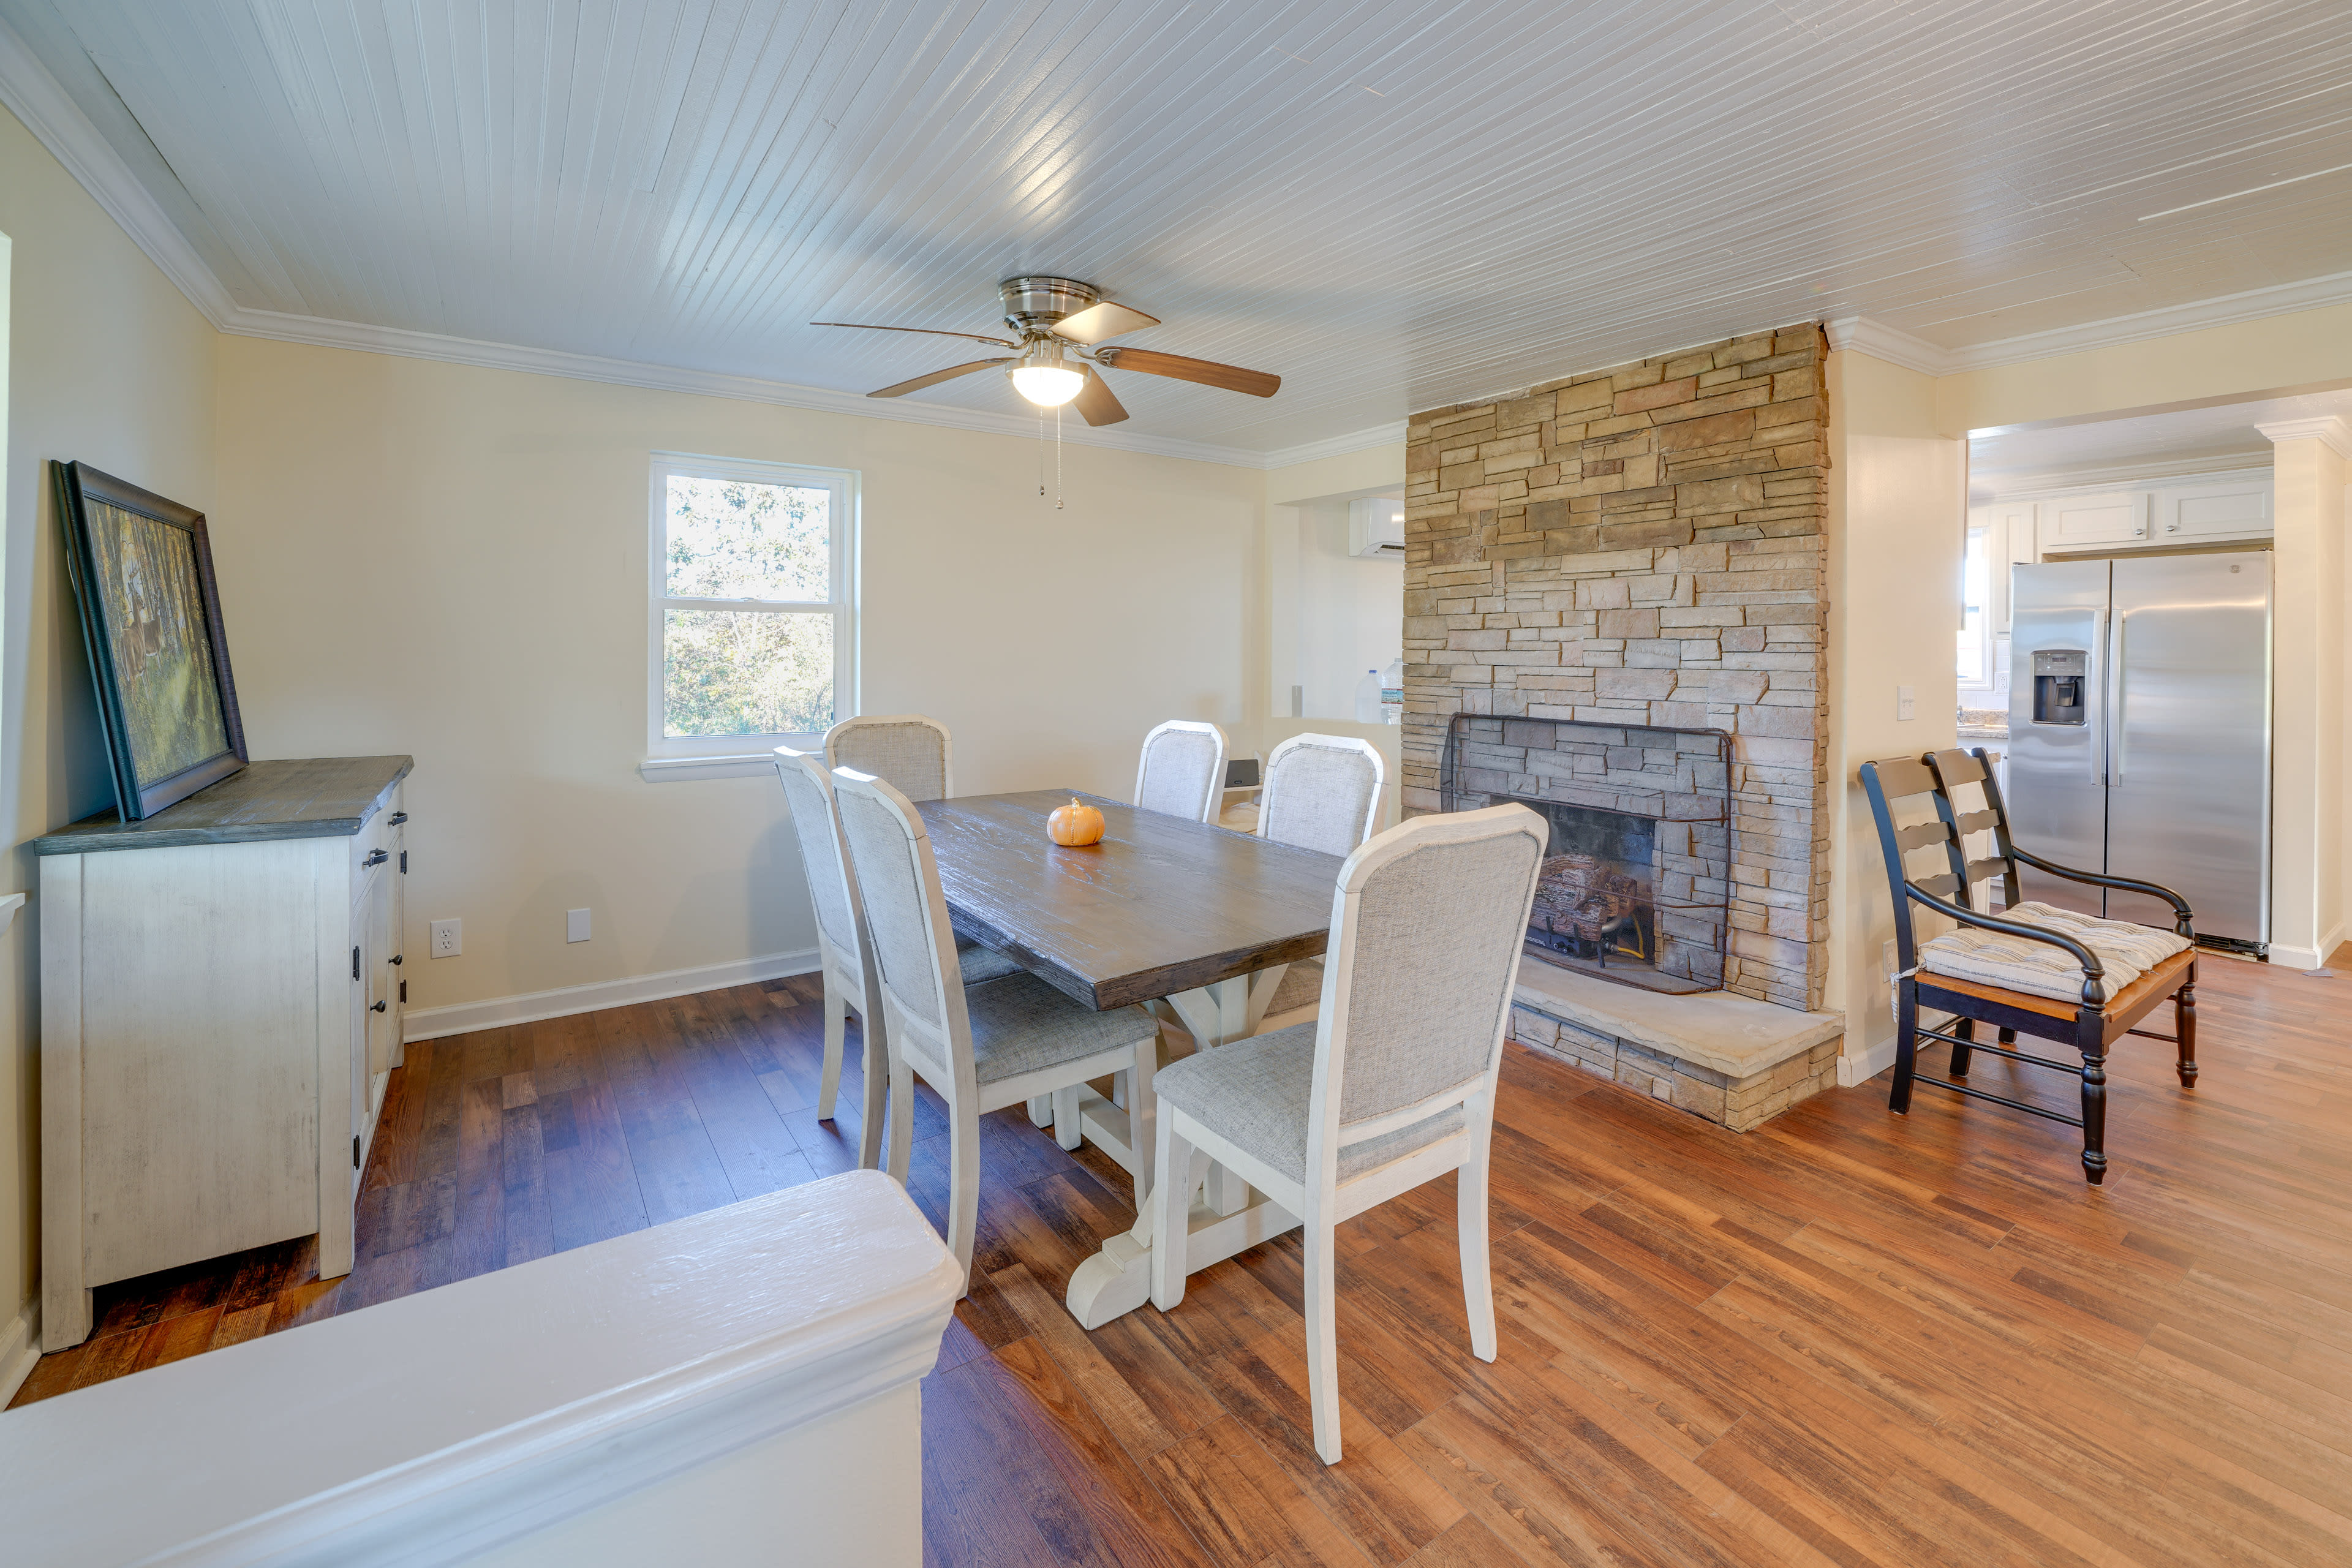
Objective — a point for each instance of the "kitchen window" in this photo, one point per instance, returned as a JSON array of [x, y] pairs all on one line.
[[1975, 647], [753, 624]]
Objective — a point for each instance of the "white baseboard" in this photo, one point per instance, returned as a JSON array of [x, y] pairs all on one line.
[[20, 1347], [463, 1017], [1873, 1060]]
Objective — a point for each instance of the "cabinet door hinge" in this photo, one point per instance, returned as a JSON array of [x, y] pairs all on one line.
[[355, 963], [404, 993], [404, 862], [355, 1150]]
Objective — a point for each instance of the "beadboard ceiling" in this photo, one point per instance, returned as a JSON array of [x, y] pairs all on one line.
[[1392, 207]]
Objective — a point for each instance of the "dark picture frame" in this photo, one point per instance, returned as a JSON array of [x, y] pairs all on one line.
[[142, 568]]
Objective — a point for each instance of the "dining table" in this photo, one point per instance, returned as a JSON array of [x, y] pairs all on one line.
[[1198, 920]]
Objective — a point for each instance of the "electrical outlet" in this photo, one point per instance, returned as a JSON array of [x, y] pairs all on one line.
[[1906, 703], [448, 937], [575, 925]]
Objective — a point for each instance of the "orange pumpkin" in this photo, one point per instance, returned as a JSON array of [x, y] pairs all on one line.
[[1074, 824]]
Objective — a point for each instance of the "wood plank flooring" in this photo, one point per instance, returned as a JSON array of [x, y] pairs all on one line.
[[1847, 1339]]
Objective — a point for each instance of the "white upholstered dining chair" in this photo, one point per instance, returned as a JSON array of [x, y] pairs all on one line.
[[1322, 792], [1183, 770], [983, 1047], [1394, 1086], [914, 753], [845, 959]]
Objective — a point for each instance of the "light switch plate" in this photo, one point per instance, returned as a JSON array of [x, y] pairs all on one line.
[[575, 925], [448, 938], [1906, 702]]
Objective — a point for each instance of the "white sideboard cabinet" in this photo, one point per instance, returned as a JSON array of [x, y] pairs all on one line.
[[221, 996]]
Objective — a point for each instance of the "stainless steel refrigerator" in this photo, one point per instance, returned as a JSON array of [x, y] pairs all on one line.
[[2139, 734]]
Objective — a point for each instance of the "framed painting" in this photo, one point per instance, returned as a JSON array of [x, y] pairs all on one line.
[[142, 575]]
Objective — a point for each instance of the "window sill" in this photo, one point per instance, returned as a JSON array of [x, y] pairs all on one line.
[[673, 770]]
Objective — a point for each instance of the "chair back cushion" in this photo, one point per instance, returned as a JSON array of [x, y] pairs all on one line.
[[908, 749], [1432, 917], [898, 881], [1182, 771], [1320, 792], [809, 793]]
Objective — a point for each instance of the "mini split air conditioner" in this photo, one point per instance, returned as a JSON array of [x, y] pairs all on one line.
[[1376, 529]]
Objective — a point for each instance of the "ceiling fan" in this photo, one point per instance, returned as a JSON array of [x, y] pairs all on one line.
[[1060, 321]]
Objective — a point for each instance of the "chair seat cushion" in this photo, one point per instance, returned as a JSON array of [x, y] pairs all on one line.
[[981, 965], [1254, 1093], [2126, 951], [1021, 1025]]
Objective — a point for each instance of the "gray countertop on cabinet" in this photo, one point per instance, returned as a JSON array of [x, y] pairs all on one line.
[[306, 798]]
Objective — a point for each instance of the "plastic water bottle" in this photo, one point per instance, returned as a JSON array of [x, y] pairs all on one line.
[[1393, 693], [1367, 699]]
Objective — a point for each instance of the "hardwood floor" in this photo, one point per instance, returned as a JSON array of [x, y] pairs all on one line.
[[1849, 1338]]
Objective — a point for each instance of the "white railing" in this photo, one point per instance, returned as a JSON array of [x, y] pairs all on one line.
[[736, 1387]]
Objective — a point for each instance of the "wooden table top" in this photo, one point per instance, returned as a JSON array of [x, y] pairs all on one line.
[[1160, 906]]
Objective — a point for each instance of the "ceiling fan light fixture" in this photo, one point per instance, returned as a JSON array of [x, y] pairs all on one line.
[[1044, 378]]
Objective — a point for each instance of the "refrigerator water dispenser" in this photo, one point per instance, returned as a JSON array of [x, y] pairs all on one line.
[[2058, 682]]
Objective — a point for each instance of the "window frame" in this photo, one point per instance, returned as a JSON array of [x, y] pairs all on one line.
[[1982, 679], [683, 754]]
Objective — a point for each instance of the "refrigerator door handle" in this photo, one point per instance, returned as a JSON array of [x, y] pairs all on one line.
[[2116, 749], [2102, 757]]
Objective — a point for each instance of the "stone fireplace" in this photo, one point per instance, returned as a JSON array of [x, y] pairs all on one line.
[[1636, 870], [1642, 548]]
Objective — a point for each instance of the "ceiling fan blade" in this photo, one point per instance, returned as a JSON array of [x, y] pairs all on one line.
[[1095, 400], [934, 331], [1100, 321], [1208, 373], [937, 376]]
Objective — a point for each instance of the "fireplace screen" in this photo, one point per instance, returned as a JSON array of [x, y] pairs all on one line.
[[1636, 876]]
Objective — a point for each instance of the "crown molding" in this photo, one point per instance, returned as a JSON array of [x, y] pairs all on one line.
[[1865, 335], [1861, 334], [2327, 429], [1364, 440], [320, 331], [34, 97]]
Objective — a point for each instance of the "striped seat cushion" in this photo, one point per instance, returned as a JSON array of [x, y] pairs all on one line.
[[2126, 951]]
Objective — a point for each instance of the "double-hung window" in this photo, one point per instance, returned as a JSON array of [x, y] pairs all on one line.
[[1975, 650], [754, 629]]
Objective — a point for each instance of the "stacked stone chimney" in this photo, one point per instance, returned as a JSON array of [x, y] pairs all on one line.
[[1644, 545]]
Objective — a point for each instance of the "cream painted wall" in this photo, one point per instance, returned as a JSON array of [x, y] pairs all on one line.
[[108, 365], [2307, 349], [1898, 518], [1272, 597], [452, 562]]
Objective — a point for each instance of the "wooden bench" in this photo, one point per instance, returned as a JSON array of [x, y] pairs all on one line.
[[2091, 1025]]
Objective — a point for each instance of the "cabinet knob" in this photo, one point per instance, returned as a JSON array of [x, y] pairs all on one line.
[[398, 817], [395, 958], [377, 1009], [375, 857]]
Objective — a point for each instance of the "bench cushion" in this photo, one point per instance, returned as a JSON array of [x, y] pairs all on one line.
[[2125, 951]]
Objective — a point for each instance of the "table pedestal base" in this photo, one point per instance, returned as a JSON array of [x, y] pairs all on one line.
[[1118, 1279], [1230, 1216]]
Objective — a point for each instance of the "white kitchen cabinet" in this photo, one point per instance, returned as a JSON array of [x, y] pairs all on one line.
[[2101, 520], [2238, 507], [221, 1001]]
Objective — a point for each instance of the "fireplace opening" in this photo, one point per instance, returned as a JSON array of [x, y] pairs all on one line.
[[1597, 896], [1636, 883]]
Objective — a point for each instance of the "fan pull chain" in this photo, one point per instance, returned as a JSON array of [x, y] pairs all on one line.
[[1057, 457], [1041, 454]]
